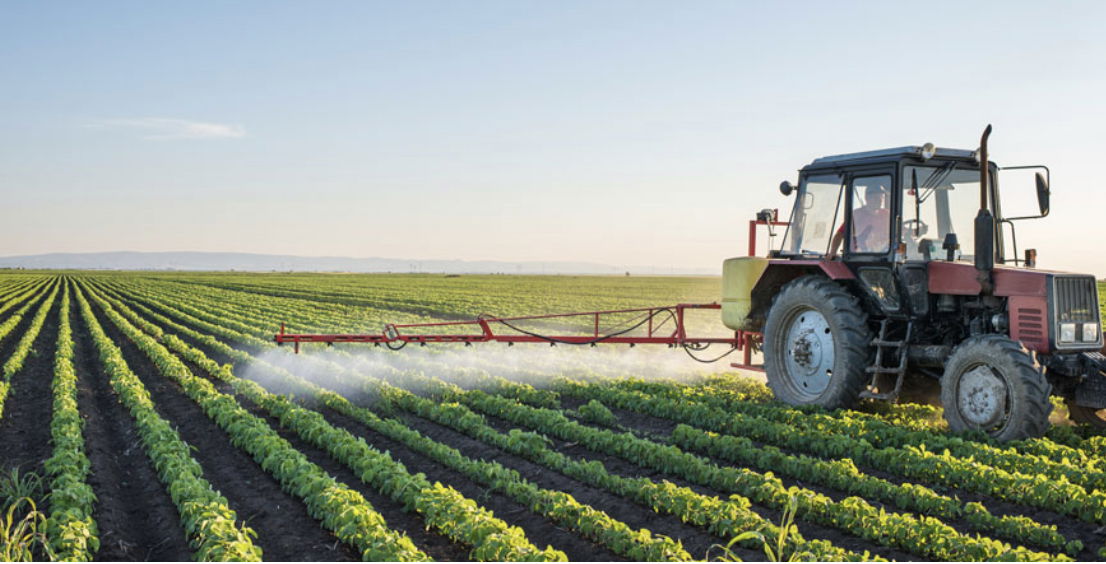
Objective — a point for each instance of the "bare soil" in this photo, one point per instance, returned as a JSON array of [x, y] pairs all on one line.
[[25, 422]]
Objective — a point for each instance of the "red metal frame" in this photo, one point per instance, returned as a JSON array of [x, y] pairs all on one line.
[[395, 333], [744, 341], [753, 223]]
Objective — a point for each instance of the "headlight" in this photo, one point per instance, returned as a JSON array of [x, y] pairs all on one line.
[[1090, 332], [1067, 332]]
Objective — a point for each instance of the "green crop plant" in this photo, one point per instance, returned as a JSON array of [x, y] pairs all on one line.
[[595, 412]]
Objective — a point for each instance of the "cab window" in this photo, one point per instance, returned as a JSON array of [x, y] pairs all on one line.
[[817, 211]]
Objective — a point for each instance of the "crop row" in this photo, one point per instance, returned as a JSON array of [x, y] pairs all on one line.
[[17, 297], [1055, 461], [921, 535], [843, 475], [71, 528], [10, 323], [17, 357], [209, 523], [341, 510], [727, 518], [443, 508], [912, 462], [10, 292]]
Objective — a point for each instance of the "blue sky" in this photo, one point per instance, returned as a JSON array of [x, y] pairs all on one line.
[[641, 133]]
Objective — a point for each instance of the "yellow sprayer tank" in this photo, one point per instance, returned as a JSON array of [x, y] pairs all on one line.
[[739, 276]]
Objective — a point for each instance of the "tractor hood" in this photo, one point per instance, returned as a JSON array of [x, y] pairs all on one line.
[[1049, 311], [959, 279]]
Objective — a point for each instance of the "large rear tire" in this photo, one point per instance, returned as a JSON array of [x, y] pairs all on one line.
[[991, 384], [816, 344]]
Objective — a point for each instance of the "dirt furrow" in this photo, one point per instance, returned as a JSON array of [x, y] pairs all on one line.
[[135, 515], [25, 426]]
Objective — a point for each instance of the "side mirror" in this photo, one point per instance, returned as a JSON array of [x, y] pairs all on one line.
[[786, 187], [1042, 193]]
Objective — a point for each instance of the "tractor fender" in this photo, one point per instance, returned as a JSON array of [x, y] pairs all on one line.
[[782, 271]]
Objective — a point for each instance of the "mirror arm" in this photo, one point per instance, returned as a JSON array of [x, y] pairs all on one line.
[[1013, 239], [1048, 174], [1048, 180], [1020, 218]]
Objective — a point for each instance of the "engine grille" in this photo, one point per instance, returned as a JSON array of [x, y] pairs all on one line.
[[1075, 301], [1075, 298], [1030, 327]]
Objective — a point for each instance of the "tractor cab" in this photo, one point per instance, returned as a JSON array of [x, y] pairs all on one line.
[[885, 214], [893, 205]]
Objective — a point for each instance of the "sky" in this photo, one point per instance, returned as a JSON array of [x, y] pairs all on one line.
[[624, 133]]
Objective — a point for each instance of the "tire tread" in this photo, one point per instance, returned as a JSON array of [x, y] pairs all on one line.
[[846, 314], [1032, 420]]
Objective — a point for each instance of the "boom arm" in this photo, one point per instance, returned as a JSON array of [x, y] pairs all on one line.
[[657, 332]]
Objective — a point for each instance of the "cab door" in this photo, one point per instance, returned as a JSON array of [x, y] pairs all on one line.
[[872, 232]]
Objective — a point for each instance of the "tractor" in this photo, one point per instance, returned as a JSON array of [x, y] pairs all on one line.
[[890, 270]]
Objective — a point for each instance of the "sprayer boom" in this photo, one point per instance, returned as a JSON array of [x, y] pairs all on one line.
[[651, 326]]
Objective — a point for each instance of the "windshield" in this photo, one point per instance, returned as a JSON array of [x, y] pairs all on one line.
[[817, 210], [938, 200]]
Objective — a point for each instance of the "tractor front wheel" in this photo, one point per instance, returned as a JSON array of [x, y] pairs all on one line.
[[816, 344], [991, 384]]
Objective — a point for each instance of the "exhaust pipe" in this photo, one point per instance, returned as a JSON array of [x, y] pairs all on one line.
[[984, 222]]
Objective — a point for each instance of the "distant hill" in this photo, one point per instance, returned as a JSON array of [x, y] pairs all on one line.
[[127, 260]]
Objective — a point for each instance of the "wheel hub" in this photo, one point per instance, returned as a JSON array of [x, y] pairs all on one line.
[[982, 396], [809, 352]]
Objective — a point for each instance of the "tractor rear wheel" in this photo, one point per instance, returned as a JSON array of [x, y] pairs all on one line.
[[816, 344], [1087, 415], [991, 384]]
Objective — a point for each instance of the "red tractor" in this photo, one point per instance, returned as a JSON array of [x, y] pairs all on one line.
[[889, 268]]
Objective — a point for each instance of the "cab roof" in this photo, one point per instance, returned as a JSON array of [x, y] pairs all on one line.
[[885, 155]]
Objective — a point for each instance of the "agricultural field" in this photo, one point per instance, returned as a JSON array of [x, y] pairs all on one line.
[[150, 416]]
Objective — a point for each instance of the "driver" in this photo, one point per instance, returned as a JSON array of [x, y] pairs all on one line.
[[871, 223]]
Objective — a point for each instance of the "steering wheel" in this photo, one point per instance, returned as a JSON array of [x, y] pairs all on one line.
[[914, 231], [916, 228]]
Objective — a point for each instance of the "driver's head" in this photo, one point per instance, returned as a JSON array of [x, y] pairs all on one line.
[[875, 196]]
